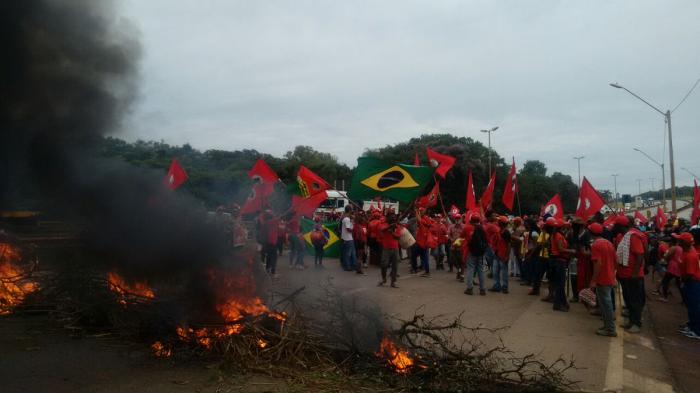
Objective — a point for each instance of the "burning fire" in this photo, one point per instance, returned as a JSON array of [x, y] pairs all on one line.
[[262, 343], [399, 359], [160, 350], [14, 287], [119, 286]]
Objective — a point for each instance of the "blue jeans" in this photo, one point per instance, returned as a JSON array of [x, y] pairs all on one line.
[[500, 274], [349, 259], [692, 302], [475, 264], [424, 259], [604, 296], [489, 256]]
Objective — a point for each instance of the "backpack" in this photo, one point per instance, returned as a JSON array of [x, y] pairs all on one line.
[[317, 238], [478, 244]]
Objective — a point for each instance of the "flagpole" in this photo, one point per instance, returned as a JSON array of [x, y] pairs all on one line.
[[440, 198], [517, 197]]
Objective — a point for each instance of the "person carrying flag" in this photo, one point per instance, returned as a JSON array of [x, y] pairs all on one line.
[[424, 239]]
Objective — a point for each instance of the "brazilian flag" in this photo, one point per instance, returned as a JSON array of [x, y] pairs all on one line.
[[401, 182], [332, 247]]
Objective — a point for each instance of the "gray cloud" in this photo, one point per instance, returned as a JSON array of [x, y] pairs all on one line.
[[344, 76]]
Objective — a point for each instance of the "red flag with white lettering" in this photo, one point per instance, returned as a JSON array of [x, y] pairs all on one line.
[[442, 162], [589, 200], [511, 188], [176, 175], [554, 207]]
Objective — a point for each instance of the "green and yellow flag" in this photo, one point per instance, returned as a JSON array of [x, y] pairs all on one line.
[[332, 247], [401, 182]]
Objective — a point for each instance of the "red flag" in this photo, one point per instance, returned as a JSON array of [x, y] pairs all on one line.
[[660, 220], [639, 216], [307, 206], [442, 162], [554, 208], [310, 183], [176, 175], [471, 196], [589, 200], [696, 205], [431, 199], [416, 161], [264, 180], [486, 197], [608, 223], [511, 188]]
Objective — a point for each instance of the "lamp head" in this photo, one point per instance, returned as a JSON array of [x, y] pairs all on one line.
[[615, 85]]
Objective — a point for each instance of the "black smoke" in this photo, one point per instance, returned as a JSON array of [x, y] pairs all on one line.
[[69, 75]]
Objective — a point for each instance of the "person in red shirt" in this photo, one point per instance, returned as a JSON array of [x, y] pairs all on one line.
[[439, 232], [390, 232], [691, 284], [373, 238], [492, 230], [501, 247], [631, 246], [559, 255], [603, 277], [359, 235], [424, 239], [476, 245]]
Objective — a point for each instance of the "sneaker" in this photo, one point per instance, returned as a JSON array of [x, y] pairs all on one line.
[[482, 292], [691, 334], [683, 330], [634, 329], [413, 271], [427, 275], [381, 283], [561, 308], [393, 285], [606, 333], [469, 291], [504, 290], [495, 289]]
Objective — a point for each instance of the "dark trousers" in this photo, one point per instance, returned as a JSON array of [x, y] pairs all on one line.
[[633, 293], [691, 290], [270, 251], [668, 277], [558, 280], [539, 266], [422, 253], [390, 260], [318, 255]]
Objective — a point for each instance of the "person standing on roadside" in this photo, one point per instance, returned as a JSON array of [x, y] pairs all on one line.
[[476, 245], [603, 278], [390, 232], [348, 255], [559, 255], [631, 246], [501, 245]]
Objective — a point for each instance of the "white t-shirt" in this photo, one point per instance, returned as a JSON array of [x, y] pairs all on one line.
[[346, 232]]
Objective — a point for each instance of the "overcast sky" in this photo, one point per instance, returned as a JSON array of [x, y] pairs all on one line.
[[342, 76]]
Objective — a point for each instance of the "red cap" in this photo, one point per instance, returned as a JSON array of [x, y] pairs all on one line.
[[685, 237], [622, 220], [595, 228]]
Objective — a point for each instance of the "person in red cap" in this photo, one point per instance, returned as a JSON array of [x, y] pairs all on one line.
[[390, 232], [559, 255], [603, 278], [691, 284], [476, 242], [424, 240], [631, 246], [501, 245]]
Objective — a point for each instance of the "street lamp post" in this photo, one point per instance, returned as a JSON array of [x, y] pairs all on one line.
[[667, 117], [663, 175], [691, 173], [489, 131], [579, 158], [615, 175]]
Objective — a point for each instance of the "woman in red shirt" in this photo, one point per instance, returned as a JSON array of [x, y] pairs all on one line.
[[559, 255]]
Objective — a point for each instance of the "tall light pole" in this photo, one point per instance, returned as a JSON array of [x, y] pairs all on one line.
[[667, 116], [579, 158], [489, 131], [691, 173], [663, 175], [615, 175]]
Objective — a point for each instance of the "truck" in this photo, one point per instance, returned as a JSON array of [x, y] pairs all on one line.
[[337, 200]]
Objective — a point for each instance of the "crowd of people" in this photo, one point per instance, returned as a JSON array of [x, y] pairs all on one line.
[[561, 260]]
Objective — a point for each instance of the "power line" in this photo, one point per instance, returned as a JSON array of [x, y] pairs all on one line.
[[687, 95]]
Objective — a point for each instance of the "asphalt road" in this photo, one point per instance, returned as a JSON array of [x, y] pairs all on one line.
[[634, 362]]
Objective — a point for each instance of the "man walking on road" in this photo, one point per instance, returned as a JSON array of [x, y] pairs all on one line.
[[603, 278], [631, 245], [475, 241]]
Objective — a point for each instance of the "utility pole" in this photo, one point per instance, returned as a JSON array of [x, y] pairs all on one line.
[[670, 158], [489, 131], [579, 158], [615, 175], [639, 186]]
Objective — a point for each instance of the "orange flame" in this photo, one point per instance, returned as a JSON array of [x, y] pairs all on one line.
[[262, 343], [160, 350], [399, 359], [119, 286], [14, 288]]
